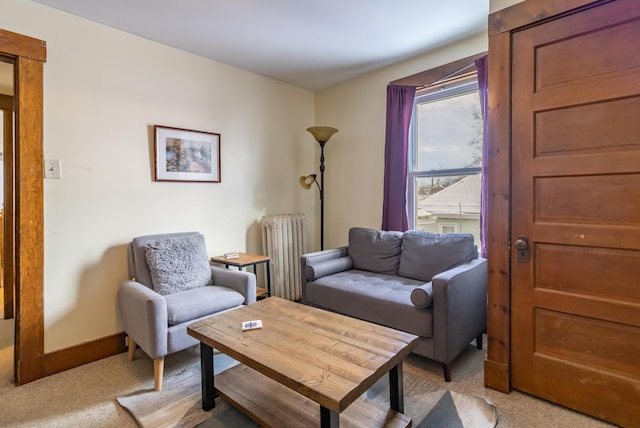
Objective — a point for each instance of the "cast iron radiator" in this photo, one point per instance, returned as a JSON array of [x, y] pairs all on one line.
[[284, 241]]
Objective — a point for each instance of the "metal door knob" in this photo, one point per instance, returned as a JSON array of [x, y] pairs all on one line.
[[522, 244]]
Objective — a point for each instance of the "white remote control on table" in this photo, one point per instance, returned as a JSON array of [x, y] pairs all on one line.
[[251, 325]]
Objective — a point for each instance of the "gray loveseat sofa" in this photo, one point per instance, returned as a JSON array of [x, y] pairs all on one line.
[[430, 285]]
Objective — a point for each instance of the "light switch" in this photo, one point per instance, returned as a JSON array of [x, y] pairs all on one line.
[[52, 168]]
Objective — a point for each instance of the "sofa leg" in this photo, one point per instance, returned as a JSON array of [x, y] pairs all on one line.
[[132, 349], [158, 372], [479, 341], [447, 372]]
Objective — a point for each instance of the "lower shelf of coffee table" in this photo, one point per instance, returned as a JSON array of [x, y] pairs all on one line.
[[271, 404]]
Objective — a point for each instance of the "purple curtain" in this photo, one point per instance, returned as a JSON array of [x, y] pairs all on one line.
[[481, 65], [399, 108]]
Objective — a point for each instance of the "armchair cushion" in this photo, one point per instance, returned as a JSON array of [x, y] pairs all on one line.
[[197, 302], [426, 254], [178, 263], [375, 250]]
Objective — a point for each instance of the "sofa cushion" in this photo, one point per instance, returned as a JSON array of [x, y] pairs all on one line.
[[426, 254], [378, 298], [178, 263], [198, 302], [375, 250]]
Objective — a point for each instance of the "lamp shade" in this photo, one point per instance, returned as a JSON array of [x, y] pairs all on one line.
[[322, 133], [307, 180]]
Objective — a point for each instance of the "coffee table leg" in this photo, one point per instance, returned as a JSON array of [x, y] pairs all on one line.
[[206, 372], [396, 389], [329, 418]]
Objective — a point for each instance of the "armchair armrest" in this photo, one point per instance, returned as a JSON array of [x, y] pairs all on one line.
[[459, 308], [144, 313], [240, 281], [321, 263]]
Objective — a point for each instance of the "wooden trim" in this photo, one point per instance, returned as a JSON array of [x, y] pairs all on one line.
[[499, 209], [6, 102], [24, 264], [523, 14], [7, 105], [29, 220], [18, 45], [88, 352], [429, 76], [497, 376]]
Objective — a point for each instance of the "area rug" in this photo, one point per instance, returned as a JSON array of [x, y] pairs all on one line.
[[179, 404]]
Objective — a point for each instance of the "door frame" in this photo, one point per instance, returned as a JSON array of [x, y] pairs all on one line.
[[24, 265], [502, 24], [6, 105]]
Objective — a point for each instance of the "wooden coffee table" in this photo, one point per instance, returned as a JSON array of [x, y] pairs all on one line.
[[304, 367]]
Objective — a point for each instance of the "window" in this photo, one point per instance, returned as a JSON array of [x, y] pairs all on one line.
[[448, 228], [445, 159]]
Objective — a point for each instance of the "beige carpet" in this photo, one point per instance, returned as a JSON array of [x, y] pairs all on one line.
[[86, 396], [428, 404]]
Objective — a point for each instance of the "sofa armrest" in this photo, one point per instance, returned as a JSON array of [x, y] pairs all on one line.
[[144, 314], [459, 308], [240, 281], [322, 263]]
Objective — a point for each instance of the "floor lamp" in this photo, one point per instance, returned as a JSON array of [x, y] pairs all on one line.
[[322, 135]]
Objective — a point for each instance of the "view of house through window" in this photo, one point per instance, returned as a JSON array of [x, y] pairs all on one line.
[[445, 159]]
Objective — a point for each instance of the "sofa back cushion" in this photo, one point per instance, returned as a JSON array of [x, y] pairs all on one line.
[[427, 254], [375, 250]]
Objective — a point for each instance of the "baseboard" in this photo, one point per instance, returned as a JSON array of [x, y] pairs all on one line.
[[88, 352], [496, 376]]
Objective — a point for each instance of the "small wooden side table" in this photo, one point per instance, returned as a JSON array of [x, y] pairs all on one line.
[[244, 260]]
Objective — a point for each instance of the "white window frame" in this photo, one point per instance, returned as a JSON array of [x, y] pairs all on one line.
[[454, 226], [444, 91]]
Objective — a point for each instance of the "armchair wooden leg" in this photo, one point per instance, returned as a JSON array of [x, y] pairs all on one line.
[[446, 368], [479, 341], [132, 349], [158, 372]]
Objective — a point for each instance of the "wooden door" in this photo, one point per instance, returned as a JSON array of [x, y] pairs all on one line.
[[575, 178]]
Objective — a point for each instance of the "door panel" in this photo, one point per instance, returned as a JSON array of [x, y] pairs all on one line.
[[580, 129], [576, 196]]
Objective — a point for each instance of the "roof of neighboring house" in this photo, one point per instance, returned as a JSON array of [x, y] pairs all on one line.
[[461, 199]]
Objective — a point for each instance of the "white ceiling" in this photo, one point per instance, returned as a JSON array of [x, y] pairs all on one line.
[[308, 43]]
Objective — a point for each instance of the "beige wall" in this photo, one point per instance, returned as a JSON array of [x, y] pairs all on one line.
[[355, 156], [103, 90], [496, 5]]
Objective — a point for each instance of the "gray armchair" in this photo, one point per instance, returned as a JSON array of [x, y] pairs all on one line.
[[172, 285]]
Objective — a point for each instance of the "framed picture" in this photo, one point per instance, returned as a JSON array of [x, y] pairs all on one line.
[[186, 155]]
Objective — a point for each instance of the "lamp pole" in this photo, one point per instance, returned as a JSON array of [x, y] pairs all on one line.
[[322, 135], [322, 143]]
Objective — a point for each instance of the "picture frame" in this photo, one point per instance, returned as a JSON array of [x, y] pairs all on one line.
[[186, 155]]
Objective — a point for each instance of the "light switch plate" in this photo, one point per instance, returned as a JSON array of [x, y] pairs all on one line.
[[52, 168]]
